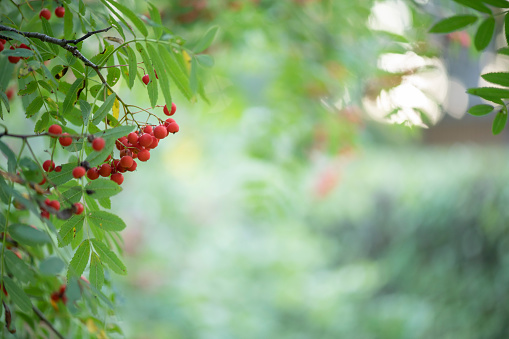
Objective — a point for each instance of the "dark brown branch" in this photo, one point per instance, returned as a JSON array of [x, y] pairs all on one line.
[[47, 322], [64, 43]]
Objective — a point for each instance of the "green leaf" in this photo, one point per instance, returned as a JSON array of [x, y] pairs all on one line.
[[63, 176], [28, 235], [152, 86], [193, 78], [105, 202], [5, 101], [484, 33], [18, 52], [102, 188], [105, 221], [71, 97], [499, 122], [42, 124], [46, 27], [179, 76], [161, 73], [69, 229], [85, 111], [453, 23], [79, 261], [133, 66], [96, 276], [155, 15], [17, 295], [480, 110], [29, 89], [475, 4], [101, 113], [140, 25], [109, 257], [51, 266], [16, 36], [497, 3], [69, 31], [490, 93], [17, 267], [206, 40], [499, 78], [205, 60], [73, 194], [113, 76], [11, 157], [34, 107], [503, 50], [506, 27]]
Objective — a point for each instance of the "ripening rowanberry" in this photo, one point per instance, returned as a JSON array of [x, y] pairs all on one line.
[[118, 178], [78, 172], [65, 140], [60, 11], [173, 109], [13, 59], [43, 181], [168, 121], [45, 13], [144, 155], [146, 80], [53, 203], [160, 132], [132, 137], [148, 129], [126, 161], [98, 144], [58, 169], [145, 140], [55, 129], [173, 127], [105, 170], [44, 214], [1, 46], [92, 173], [154, 143], [133, 167], [48, 166], [78, 207]]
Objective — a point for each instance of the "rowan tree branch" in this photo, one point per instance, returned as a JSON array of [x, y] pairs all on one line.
[[64, 43], [47, 322]]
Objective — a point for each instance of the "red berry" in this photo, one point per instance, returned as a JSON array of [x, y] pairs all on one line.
[[148, 129], [78, 172], [65, 140], [43, 181], [105, 170], [173, 127], [58, 169], [3, 41], [118, 178], [144, 155], [55, 129], [45, 13], [98, 144], [54, 203], [146, 79], [168, 121], [145, 140], [48, 165], [44, 214], [160, 132], [60, 12], [1, 46], [79, 208], [92, 173], [154, 143], [132, 137], [10, 93], [173, 108], [156, 74], [133, 167], [108, 158], [126, 161], [13, 59]]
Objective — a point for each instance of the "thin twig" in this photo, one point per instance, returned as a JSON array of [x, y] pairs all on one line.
[[47, 322]]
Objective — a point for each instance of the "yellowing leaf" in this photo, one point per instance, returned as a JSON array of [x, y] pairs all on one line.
[[116, 106], [187, 58]]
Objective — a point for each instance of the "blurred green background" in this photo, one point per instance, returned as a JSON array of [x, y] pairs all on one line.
[[288, 207]]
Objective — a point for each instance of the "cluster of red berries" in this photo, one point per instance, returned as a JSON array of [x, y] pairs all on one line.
[[46, 14], [12, 59], [55, 205]]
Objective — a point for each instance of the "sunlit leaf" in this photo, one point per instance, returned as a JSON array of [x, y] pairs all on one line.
[[499, 122], [453, 23], [80, 260], [480, 110], [484, 33]]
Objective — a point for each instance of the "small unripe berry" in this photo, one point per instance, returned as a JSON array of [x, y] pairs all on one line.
[[55, 129], [118, 178], [65, 140], [45, 13], [144, 155], [160, 132], [105, 170], [79, 208], [126, 161], [145, 140], [146, 79], [98, 144], [60, 11], [132, 137], [173, 127], [93, 173], [48, 165], [78, 172]]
